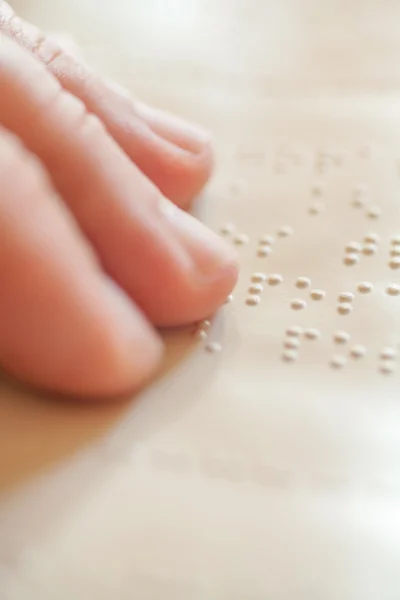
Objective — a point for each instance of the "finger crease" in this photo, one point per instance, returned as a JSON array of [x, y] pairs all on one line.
[[44, 52]]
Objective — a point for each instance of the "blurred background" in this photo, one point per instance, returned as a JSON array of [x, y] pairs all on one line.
[[294, 46]]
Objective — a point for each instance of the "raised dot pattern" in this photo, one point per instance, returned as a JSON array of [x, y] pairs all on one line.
[[354, 252]]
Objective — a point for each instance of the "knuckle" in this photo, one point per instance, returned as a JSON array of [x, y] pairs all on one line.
[[92, 127], [75, 115]]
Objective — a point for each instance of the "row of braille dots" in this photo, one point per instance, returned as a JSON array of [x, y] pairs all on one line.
[[292, 344], [256, 288], [326, 160], [345, 299], [281, 162], [387, 355], [394, 253], [265, 242], [369, 247], [316, 294], [360, 198], [283, 159], [287, 158], [202, 331], [323, 158], [317, 190], [353, 250]]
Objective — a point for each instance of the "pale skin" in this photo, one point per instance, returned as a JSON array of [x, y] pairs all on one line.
[[96, 249]]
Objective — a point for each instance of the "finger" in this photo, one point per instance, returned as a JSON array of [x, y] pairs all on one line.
[[175, 155], [175, 268], [63, 324]]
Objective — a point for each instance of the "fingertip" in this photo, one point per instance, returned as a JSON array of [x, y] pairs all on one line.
[[126, 350]]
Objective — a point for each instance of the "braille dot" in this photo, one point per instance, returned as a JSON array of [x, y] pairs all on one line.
[[267, 240], [374, 212], [317, 208], [338, 361], [298, 304], [228, 229], [395, 240], [240, 239], [294, 331], [256, 288], [358, 351], [360, 194], [318, 188], [292, 343], [369, 249], [395, 262], [213, 347], [289, 356], [359, 201], [351, 259], [371, 238], [238, 187], [253, 300], [341, 337], [395, 251], [303, 282], [312, 334], [346, 297], [317, 294], [393, 289], [202, 335], [285, 231], [206, 324], [275, 279], [388, 353], [228, 299], [344, 309], [264, 251], [258, 277], [353, 248], [365, 287], [387, 367]]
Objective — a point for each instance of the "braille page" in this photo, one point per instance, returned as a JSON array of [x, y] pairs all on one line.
[[264, 462]]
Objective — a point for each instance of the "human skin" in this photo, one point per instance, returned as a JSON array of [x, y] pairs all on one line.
[[96, 249]]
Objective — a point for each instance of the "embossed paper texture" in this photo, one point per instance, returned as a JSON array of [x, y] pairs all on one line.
[[264, 463]]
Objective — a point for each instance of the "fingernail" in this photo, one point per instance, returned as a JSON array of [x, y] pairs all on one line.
[[183, 133], [208, 252]]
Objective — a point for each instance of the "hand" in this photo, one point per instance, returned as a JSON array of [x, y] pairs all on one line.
[[92, 253]]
